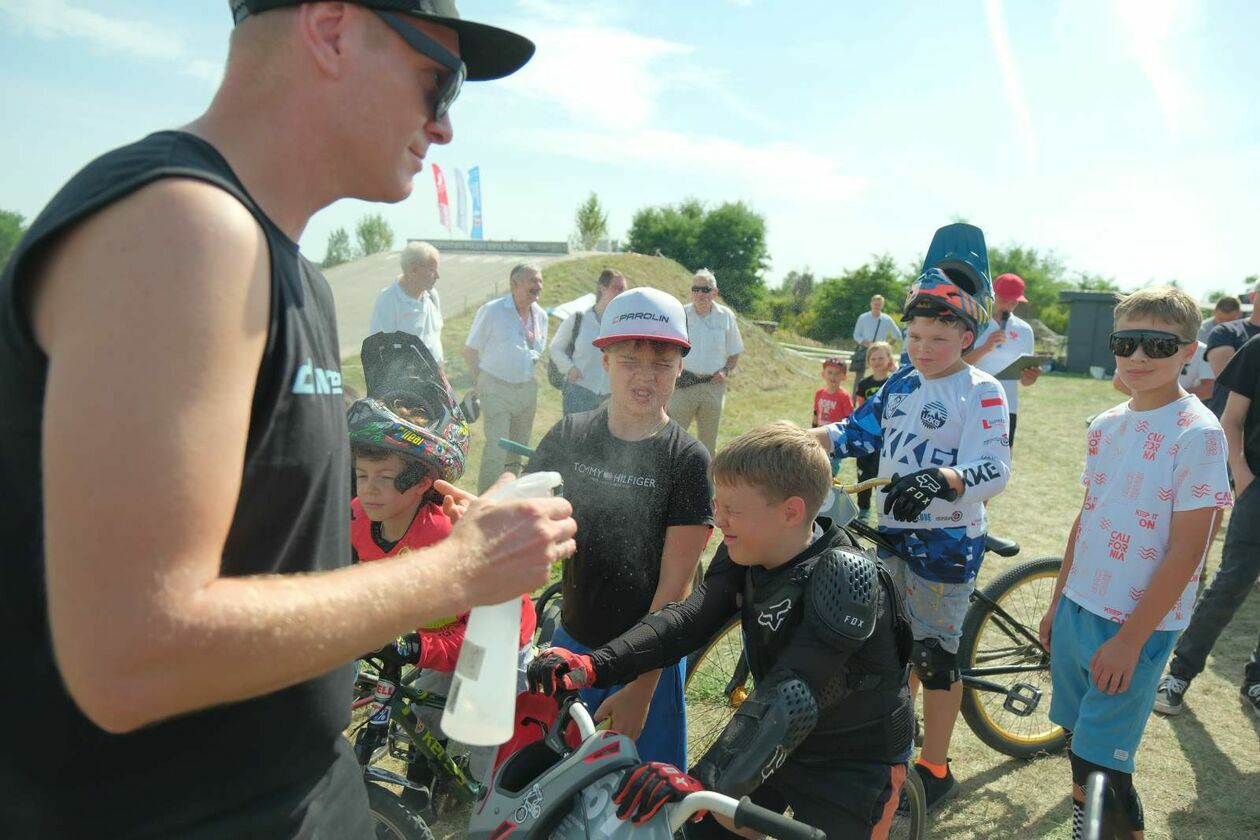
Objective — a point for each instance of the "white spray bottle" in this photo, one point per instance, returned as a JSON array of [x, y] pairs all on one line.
[[481, 708]]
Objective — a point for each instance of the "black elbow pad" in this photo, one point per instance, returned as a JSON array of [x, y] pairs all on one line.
[[768, 726]]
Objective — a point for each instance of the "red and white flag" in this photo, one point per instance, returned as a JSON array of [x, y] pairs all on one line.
[[444, 204]]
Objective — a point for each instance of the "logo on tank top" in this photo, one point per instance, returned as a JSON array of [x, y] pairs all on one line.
[[316, 380]]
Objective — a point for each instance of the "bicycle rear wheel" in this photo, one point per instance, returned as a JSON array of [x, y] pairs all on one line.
[[717, 682], [392, 819], [1016, 724]]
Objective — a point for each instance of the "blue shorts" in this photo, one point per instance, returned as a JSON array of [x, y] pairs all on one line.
[[664, 736], [1106, 728]]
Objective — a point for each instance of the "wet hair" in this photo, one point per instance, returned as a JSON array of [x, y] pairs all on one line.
[[1229, 303], [1167, 304], [780, 460]]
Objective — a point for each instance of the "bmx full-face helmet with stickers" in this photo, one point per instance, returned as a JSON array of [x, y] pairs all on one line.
[[409, 410], [954, 287]]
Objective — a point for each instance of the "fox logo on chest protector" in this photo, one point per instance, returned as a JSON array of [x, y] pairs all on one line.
[[773, 617]]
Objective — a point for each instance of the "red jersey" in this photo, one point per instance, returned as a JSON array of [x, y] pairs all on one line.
[[439, 640], [831, 406]]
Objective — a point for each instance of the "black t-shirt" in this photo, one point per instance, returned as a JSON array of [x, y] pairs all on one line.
[[624, 495], [1229, 334], [1242, 376], [868, 386], [64, 776]]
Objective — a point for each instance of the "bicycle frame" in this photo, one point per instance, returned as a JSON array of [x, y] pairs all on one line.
[[426, 746]]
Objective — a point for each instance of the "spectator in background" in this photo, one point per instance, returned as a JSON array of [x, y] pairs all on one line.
[[831, 402], [508, 337], [581, 363], [410, 304], [871, 327], [1005, 339], [1240, 558], [1227, 309], [715, 348], [1223, 342]]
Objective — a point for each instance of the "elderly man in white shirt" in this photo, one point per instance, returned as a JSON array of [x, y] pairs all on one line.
[[871, 327], [578, 360], [715, 348], [508, 337], [411, 304]]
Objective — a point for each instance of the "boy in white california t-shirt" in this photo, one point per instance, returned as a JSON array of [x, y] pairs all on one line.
[[1155, 481]]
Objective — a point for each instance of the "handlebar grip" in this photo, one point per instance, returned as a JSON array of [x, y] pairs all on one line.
[[776, 825]]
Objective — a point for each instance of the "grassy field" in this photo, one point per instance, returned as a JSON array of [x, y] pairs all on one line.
[[1193, 771]]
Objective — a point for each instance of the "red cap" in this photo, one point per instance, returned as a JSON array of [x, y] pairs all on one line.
[[1009, 287]]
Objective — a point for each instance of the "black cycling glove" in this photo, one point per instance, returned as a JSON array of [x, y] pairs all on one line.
[[909, 495]]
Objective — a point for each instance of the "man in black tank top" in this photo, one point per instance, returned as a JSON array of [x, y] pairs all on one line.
[[176, 607]]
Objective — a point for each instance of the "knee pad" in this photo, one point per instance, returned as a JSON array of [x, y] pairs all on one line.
[[1122, 807], [936, 668]]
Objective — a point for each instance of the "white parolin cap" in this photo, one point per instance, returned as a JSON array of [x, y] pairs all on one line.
[[644, 313]]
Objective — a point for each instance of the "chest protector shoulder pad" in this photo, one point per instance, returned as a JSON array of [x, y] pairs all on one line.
[[843, 597]]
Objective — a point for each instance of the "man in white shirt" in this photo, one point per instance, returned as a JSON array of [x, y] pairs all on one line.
[[508, 337], [1005, 339], [871, 327], [411, 304], [715, 348], [576, 357]]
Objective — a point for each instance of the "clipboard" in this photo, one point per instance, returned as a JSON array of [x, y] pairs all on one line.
[[1016, 368]]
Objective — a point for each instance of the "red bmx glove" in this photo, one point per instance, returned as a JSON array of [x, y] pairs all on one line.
[[649, 787], [556, 669]]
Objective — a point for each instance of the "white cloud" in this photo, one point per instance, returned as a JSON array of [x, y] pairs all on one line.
[[995, 16], [52, 20], [1148, 26]]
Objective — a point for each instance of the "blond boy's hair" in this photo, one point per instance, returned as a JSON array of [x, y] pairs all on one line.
[[881, 345], [780, 460], [1162, 303]]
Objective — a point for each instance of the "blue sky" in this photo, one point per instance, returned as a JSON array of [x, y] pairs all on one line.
[[1123, 135]]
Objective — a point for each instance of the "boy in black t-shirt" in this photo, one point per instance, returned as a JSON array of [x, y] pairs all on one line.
[[639, 488], [880, 364], [1240, 559]]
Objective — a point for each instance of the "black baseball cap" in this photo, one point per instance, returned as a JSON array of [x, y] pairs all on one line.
[[487, 51]]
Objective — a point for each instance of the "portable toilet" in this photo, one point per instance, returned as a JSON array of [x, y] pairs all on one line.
[[1090, 321]]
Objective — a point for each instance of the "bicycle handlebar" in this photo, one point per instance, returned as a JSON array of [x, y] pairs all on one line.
[[861, 486], [744, 813]]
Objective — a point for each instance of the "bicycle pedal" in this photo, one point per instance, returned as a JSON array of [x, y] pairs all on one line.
[[1022, 699]]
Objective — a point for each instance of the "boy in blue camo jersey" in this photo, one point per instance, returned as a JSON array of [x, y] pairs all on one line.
[[940, 428]]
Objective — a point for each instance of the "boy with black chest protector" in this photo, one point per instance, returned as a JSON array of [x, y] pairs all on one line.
[[828, 729]]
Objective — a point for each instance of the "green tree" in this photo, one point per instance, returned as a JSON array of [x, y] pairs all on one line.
[[11, 229], [375, 234], [339, 250], [837, 302], [730, 240], [591, 222]]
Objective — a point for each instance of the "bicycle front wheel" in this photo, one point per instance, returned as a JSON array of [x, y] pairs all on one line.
[[392, 819], [999, 647], [910, 821], [717, 683]]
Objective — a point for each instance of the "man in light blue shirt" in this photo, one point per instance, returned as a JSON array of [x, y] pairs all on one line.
[[411, 303], [508, 337], [871, 327]]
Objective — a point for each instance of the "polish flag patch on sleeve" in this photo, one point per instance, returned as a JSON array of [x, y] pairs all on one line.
[[990, 402]]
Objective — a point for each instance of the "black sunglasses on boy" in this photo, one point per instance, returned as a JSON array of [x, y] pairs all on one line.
[[1156, 344]]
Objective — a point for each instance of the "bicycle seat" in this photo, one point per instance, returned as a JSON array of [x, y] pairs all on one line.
[[1000, 547]]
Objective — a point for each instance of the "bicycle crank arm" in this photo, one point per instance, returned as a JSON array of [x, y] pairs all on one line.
[[376, 774]]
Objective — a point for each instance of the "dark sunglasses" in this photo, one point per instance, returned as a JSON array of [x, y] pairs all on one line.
[[1156, 344], [450, 84], [704, 290]]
